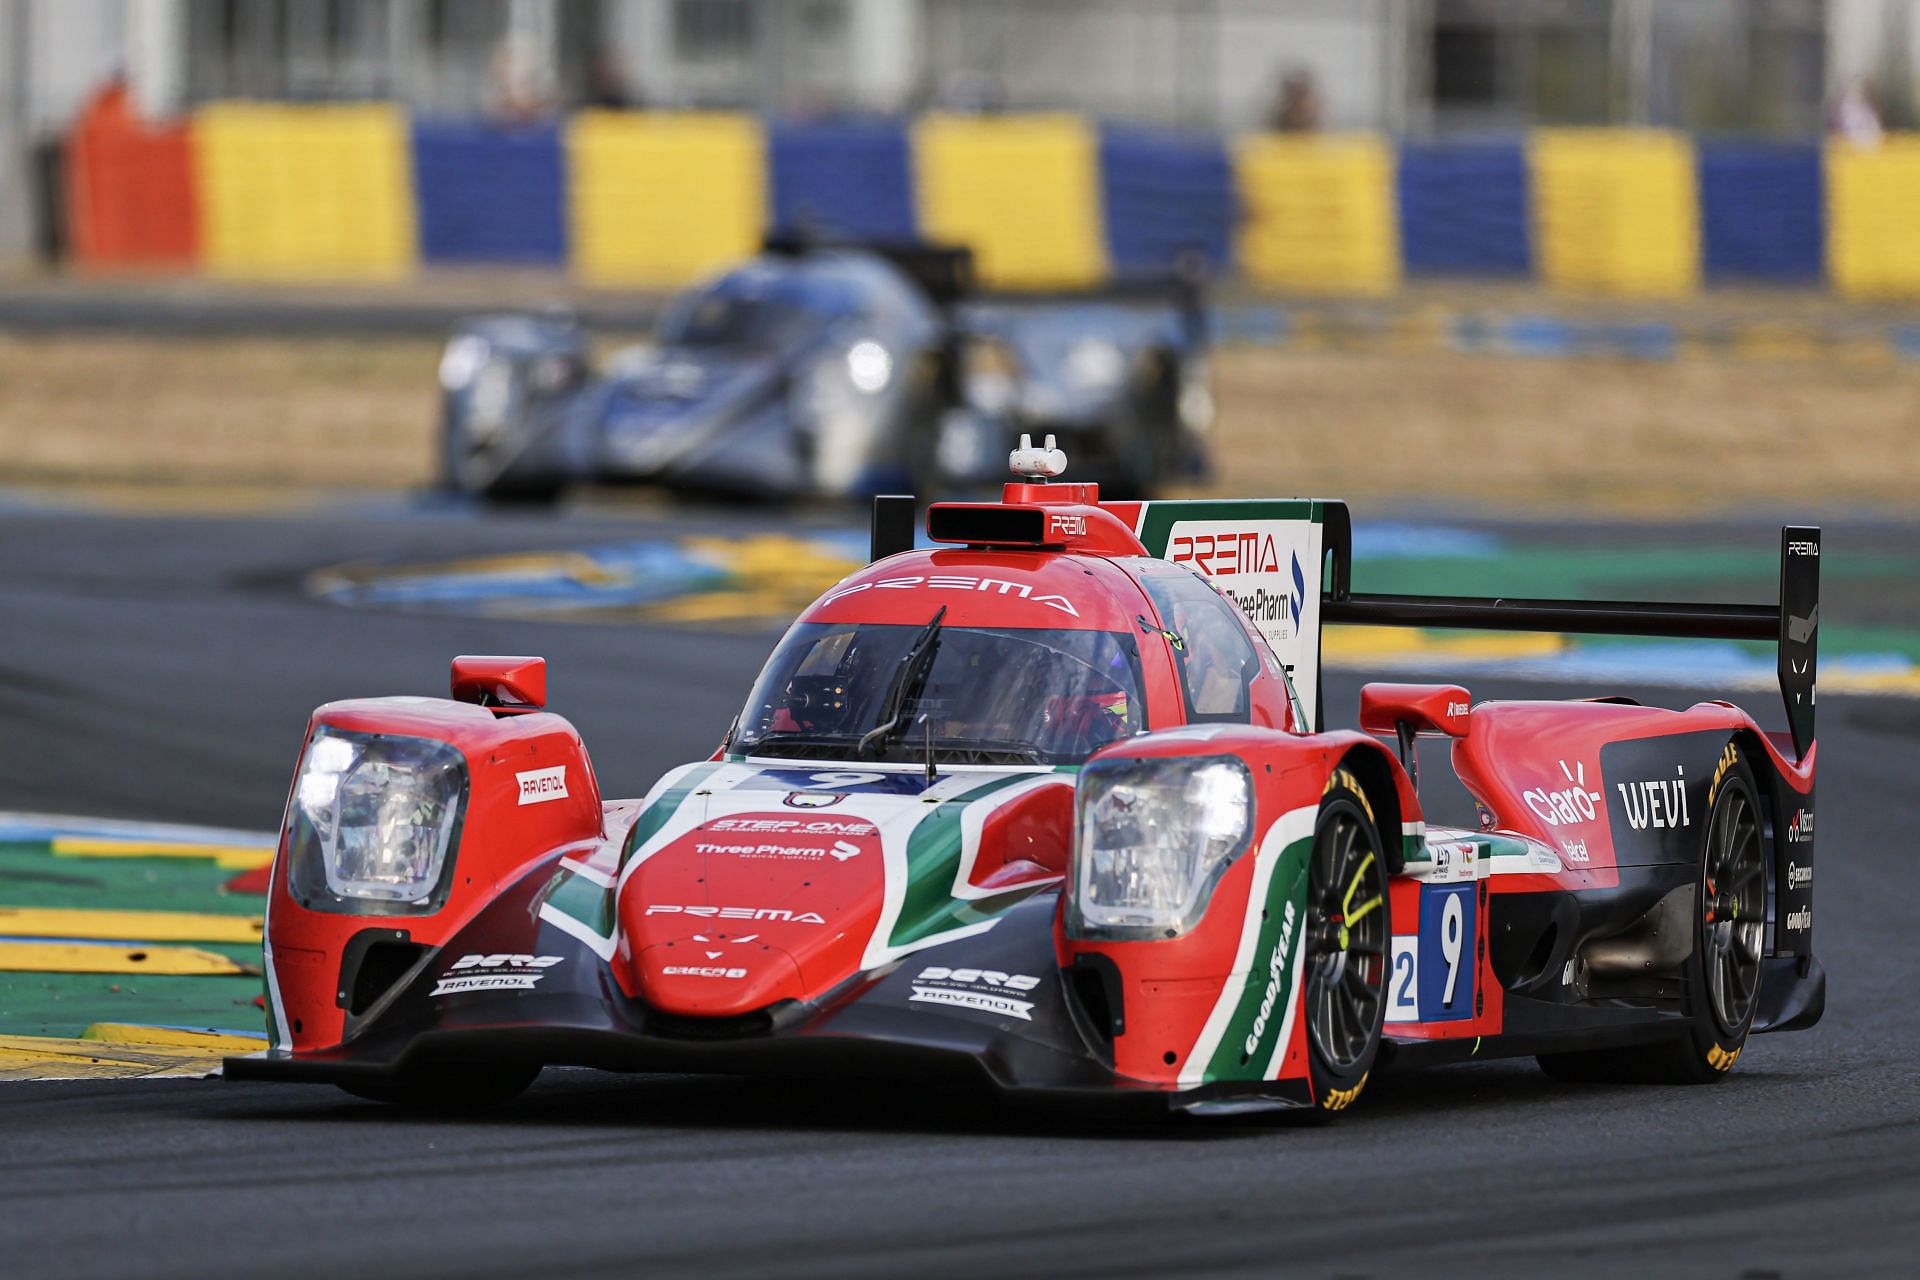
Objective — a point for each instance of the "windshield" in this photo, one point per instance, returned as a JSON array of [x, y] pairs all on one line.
[[988, 696], [757, 309]]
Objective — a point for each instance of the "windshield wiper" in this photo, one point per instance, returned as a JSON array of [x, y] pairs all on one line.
[[908, 681]]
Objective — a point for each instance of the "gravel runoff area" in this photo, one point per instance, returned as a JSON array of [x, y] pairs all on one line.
[[110, 412]]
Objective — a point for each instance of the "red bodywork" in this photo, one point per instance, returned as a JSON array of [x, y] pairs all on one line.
[[709, 929]]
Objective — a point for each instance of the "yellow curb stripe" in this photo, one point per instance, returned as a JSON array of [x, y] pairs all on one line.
[[1374, 642], [46, 1058], [128, 1033], [236, 857], [146, 926], [78, 957]]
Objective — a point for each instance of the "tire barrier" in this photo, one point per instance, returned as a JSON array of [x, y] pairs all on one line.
[[1464, 209], [1761, 211], [1165, 194], [488, 194], [845, 180], [1614, 211], [1022, 190], [1317, 213], [658, 199], [304, 192]]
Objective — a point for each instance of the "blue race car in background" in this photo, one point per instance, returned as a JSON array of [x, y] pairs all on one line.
[[838, 371]]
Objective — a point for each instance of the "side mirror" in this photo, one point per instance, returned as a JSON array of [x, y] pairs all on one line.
[[1408, 710], [506, 685], [1428, 708]]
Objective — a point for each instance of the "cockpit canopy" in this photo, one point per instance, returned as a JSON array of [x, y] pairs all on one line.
[[964, 695]]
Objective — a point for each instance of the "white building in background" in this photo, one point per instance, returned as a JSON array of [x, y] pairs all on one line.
[[1422, 67]]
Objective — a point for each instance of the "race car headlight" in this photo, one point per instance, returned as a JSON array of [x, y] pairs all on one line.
[[1153, 838], [374, 822], [869, 366], [461, 360]]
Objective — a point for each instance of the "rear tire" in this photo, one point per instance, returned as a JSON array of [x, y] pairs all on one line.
[[1347, 936], [451, 1088], [1723, 973]]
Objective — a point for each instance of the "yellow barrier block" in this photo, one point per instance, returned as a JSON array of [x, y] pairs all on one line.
[[304, 192], [233, 857], [1616, 211], [144, 926], [1318, 213], [79, 957], [1023, 192], [1873, 208], [661, 199]]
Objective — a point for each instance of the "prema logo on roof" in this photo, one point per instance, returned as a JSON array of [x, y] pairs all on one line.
[[782, 914], [956, 582]]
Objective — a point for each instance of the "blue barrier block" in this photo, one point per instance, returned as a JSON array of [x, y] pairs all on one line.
[[487, 194], [1165, 193], [849, 179], [1463, 209], [1762, 210]]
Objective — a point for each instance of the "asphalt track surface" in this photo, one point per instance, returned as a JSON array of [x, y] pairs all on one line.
[[163, 668]]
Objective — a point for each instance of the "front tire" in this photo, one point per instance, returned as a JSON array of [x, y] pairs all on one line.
[[1348, 931]]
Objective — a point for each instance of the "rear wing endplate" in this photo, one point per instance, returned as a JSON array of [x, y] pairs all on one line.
[[1792, 622]]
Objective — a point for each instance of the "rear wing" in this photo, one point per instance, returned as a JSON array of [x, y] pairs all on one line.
[[1791, 622]]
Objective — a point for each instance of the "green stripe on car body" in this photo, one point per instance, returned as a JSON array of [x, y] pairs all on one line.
[[583, 899], [933, 865], [662, 810], [1254, 1029]]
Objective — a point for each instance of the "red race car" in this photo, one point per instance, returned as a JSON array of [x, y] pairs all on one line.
[[1050, 804]]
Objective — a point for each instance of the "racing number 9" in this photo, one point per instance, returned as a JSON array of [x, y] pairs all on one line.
[[1446, 952], [1452, 928]]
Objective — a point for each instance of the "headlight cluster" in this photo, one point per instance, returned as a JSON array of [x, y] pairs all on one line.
[[466, 353], [375, 821], [1152, 839]]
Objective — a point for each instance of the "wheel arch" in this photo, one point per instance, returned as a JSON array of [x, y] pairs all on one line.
[[1396, 811]]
